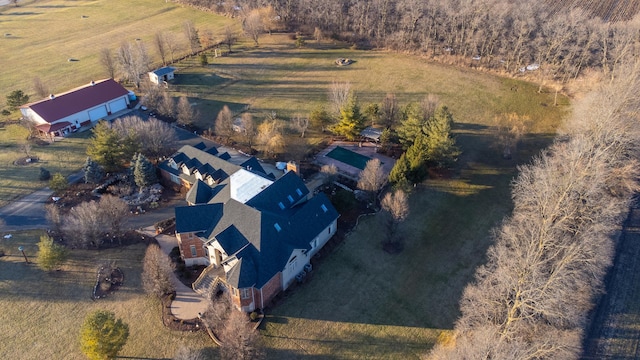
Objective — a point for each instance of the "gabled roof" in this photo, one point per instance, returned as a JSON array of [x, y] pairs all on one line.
[[200, 146], [200, 193], [252, 164], [53, 127], [77, 100], [164, 70]]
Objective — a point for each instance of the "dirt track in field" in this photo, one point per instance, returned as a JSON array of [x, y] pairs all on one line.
[[615, 330]]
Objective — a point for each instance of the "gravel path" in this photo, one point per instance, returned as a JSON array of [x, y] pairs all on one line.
[[615, 330]]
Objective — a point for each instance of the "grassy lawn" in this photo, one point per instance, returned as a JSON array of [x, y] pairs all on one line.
[[65, 156], [278, 77], [42, 312], [45, 34]]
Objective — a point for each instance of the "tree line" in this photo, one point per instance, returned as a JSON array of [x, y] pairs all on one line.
[[499, 34], [532, 298]]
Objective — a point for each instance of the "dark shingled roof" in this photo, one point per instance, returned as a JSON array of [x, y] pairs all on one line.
[[77, 100], [200, 193], [200, 146], [282, 195], [197, 218]]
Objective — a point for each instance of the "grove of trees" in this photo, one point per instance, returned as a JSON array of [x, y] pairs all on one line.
[[532, 297]]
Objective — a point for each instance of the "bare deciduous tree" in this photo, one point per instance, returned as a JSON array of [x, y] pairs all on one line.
[[389, 111], [192, 37], [108, 62], [113, 210], [509, 129], [157, 272], [40, 88], [429, 105], [253, 25], [240, 341], [330, 173], [300, 124], [155, 138], [396, 204], [160, 42], [372, 178], [248, 128], [224, 123], [185, 353], [83, 226], [167, 106], [185, 113], [133, 60], [339, 95], [230, 37], [152, 94]]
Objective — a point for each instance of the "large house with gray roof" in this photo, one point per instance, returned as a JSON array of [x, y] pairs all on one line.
[[255, 234]]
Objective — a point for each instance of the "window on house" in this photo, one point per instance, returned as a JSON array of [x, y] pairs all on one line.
[[193, 251], [281, 205], [290, 198], [245, 293], [299, 192], [324, 208], [329, 230], [277, 226]]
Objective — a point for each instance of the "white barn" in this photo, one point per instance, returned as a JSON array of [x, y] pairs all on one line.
[[62, 113], [161, 75]]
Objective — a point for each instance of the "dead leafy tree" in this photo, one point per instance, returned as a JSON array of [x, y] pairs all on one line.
[[206, 39], [248, 128], [224, 123], [389, 111], [300, 124], [160, 42], [155, 138], [396, 205], [157, 272], [253, 25], [185, 113], [509, 130], [339, 95], [229, 37], [191, 34], [270, 136], [108, 62], [330, 173], [239, 339], [40, 88], [372, 178], [167, 106]]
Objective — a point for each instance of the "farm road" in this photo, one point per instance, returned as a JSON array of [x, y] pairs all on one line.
[[615, 328]]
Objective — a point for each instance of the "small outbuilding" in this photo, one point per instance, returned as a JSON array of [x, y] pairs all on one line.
[[371, 133], [162, 75]]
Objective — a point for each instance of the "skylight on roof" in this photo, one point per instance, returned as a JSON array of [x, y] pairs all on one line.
[[290, 198], [299, 192], [277, 226], [324, 208], [281, 205]]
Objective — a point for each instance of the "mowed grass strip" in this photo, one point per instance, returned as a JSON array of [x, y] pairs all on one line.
[[42, 312], [45, 34]]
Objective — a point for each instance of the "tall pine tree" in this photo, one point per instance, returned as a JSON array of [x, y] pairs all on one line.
[[440, 145], [93, 172], [144, 173], [351, 120]]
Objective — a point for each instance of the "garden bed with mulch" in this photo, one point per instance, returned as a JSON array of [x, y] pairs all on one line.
[[108, 280]]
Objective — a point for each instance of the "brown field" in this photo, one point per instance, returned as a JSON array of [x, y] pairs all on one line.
[[613, 10]]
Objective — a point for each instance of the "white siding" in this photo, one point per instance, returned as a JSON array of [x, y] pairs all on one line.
[[294, 266], [319, 241]]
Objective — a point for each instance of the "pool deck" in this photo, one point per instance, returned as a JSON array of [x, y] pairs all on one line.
[[364, 148]]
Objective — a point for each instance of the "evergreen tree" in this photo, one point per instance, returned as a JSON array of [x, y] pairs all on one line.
[[44, 174], [102, 335], [441, 147], [144, 173], [399, 173], [411, 125], [50, 254], [93, 172], [16, 98], [106, 147], [58, 182], [351, 120], [416, 157]]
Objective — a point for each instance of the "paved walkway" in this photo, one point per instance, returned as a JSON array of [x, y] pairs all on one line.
[[187, 304]]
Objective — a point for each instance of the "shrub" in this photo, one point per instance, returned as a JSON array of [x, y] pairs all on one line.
[[203, 59], [58, 182], [102, 335], [50, 254], [44, 174]]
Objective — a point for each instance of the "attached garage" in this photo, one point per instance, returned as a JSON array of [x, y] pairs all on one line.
[[118, 105], [98, 113]]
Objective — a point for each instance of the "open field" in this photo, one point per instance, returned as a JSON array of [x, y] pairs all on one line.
[[42, 312], [65, 156], [279, 77], [45, 33]]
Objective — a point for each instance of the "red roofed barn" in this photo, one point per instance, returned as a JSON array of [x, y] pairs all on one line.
[[62, 113]]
